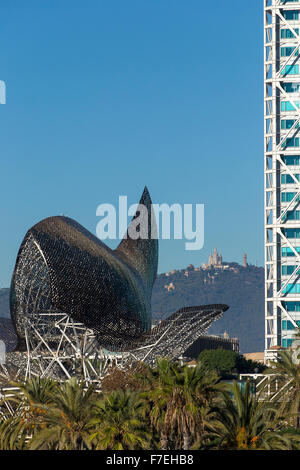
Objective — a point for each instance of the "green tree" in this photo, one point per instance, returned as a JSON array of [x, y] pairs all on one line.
[[67, 419], [28, 415], [227, 361], [221, 360], [287, 372], [119, 422], [247, 366], [244, 423], [180, 398]]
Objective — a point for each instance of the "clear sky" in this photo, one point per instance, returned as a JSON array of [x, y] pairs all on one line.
[[107, 96]]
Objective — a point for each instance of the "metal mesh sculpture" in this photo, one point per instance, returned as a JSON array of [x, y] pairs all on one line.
[[61, 347], [61, 267], [73, 298]]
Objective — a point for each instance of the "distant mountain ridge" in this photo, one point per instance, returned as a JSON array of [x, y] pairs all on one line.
[[4, 303], [242, 288]]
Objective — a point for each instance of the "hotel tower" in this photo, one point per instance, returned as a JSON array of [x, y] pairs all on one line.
[[281, 172]]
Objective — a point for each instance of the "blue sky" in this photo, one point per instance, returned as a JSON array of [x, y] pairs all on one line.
[[107, 96]]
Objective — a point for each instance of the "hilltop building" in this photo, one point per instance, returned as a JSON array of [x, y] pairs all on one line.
[[215, 258]]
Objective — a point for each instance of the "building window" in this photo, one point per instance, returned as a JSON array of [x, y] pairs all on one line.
[[291, 160], [291, 306], [292, 215], [288, 252], [290, 14], [288, 270], [286, 343], [290, 142], [288, 325], [288, 34], [290, 87], [288, 197], [292, 232], [287, 179], [288, 106], [288, 124], [290, 70], [287, 51], [291, 289]]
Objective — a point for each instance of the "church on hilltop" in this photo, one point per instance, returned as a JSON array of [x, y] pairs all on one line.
[[215, 258]]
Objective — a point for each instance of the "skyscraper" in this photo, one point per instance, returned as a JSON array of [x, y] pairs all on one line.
[[282, 172]]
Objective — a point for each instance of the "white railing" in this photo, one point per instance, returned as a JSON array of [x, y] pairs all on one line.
[[266, 385]]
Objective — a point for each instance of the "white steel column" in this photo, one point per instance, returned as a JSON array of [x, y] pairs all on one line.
[[282, 172]]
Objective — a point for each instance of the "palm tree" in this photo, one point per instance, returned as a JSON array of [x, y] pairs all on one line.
[[180, 399], [28, 417], [287, 372], [244, 423], [119, 422], [67, 418], [157, 386], [37, 389]]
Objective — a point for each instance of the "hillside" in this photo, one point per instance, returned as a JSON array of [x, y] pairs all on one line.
[[4, 303], [240, 288]]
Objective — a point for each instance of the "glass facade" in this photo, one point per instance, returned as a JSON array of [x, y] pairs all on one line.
[[291, 87], [287, 51], [288, 252], [291, 289], [292, 306], [292, 215], [288, 197], [290, 142], [288, 106], [288, 34], [288, 179], [288, 325], [291, 15], [289, 269], [291, 160], [291, 232], [287, 342], [282, 172], [288, 124], [290, 70]]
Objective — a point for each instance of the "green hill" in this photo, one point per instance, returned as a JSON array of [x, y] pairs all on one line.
[[240, 288]]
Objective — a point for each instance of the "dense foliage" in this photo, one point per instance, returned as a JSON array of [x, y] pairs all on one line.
[[226, 362], [165, 407]]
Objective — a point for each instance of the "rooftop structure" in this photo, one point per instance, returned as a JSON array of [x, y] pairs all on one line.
[[212, 342]]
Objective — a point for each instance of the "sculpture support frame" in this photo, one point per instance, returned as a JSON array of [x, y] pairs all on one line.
[[60, 347]]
